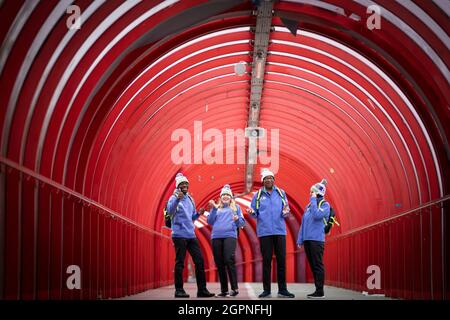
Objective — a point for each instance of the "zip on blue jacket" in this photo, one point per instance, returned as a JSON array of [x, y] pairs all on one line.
[[183, 216], [269, 216], [313, 227], [223, 225]]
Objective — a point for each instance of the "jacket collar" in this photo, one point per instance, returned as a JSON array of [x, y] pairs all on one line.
[[273, 189]]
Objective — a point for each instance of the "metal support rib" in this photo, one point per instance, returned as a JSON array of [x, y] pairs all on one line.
[[261, 43]]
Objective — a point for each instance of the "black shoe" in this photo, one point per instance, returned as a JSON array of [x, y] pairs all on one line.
[[205, 294], [234, 293], [316, 295], [285, 294], [265, 294], [181, 294], [222, 294]]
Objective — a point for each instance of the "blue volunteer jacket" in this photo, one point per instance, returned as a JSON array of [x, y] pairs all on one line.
[[183, 216], [269, 217], [222, 222], [312, 222]]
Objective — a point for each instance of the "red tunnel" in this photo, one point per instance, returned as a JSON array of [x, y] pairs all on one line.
[[103, 102]]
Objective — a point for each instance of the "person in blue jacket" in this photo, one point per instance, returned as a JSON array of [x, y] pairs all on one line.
[[312, 235], [225, 218], [181, 209], [270, 207]]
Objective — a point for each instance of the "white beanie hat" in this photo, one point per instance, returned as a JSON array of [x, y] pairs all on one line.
[[320, 187], [266, 173], [226, 190], [179, 178]]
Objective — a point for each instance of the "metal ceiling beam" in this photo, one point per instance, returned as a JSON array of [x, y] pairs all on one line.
[[264, 16]]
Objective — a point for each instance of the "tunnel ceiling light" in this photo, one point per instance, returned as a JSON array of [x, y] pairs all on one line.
[[339, 46], [240, 68], [142, 87], [259, 67], [172, 65]]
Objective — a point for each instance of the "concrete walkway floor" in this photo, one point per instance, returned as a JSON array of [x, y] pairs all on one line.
[[251, 290]]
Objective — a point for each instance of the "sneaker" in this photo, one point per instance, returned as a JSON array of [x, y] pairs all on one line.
[[205, 294], [316, 295], [234, 293], [265, 294], [285, 294], [222, 294], [181, 294]]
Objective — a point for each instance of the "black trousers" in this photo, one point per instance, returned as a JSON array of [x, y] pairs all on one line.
[[268, 245], [223, 250], [191, 245], [314, 253]]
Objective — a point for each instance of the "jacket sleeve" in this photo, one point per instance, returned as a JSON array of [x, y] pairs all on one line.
[[300, 235], [195, 214], [172, 205], [285, 197], [319, 214], [253, 206], [212, 216], [241, 221]]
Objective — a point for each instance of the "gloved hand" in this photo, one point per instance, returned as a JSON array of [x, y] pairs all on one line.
[[212, 204]]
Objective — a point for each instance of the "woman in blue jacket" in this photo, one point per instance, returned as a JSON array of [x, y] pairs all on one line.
[[225, 218], [312, 235]]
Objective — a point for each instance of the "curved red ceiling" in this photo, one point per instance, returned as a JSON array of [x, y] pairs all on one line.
[[94, 109], [343, 97]]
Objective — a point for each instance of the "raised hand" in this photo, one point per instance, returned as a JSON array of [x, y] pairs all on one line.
[[212, 204]]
